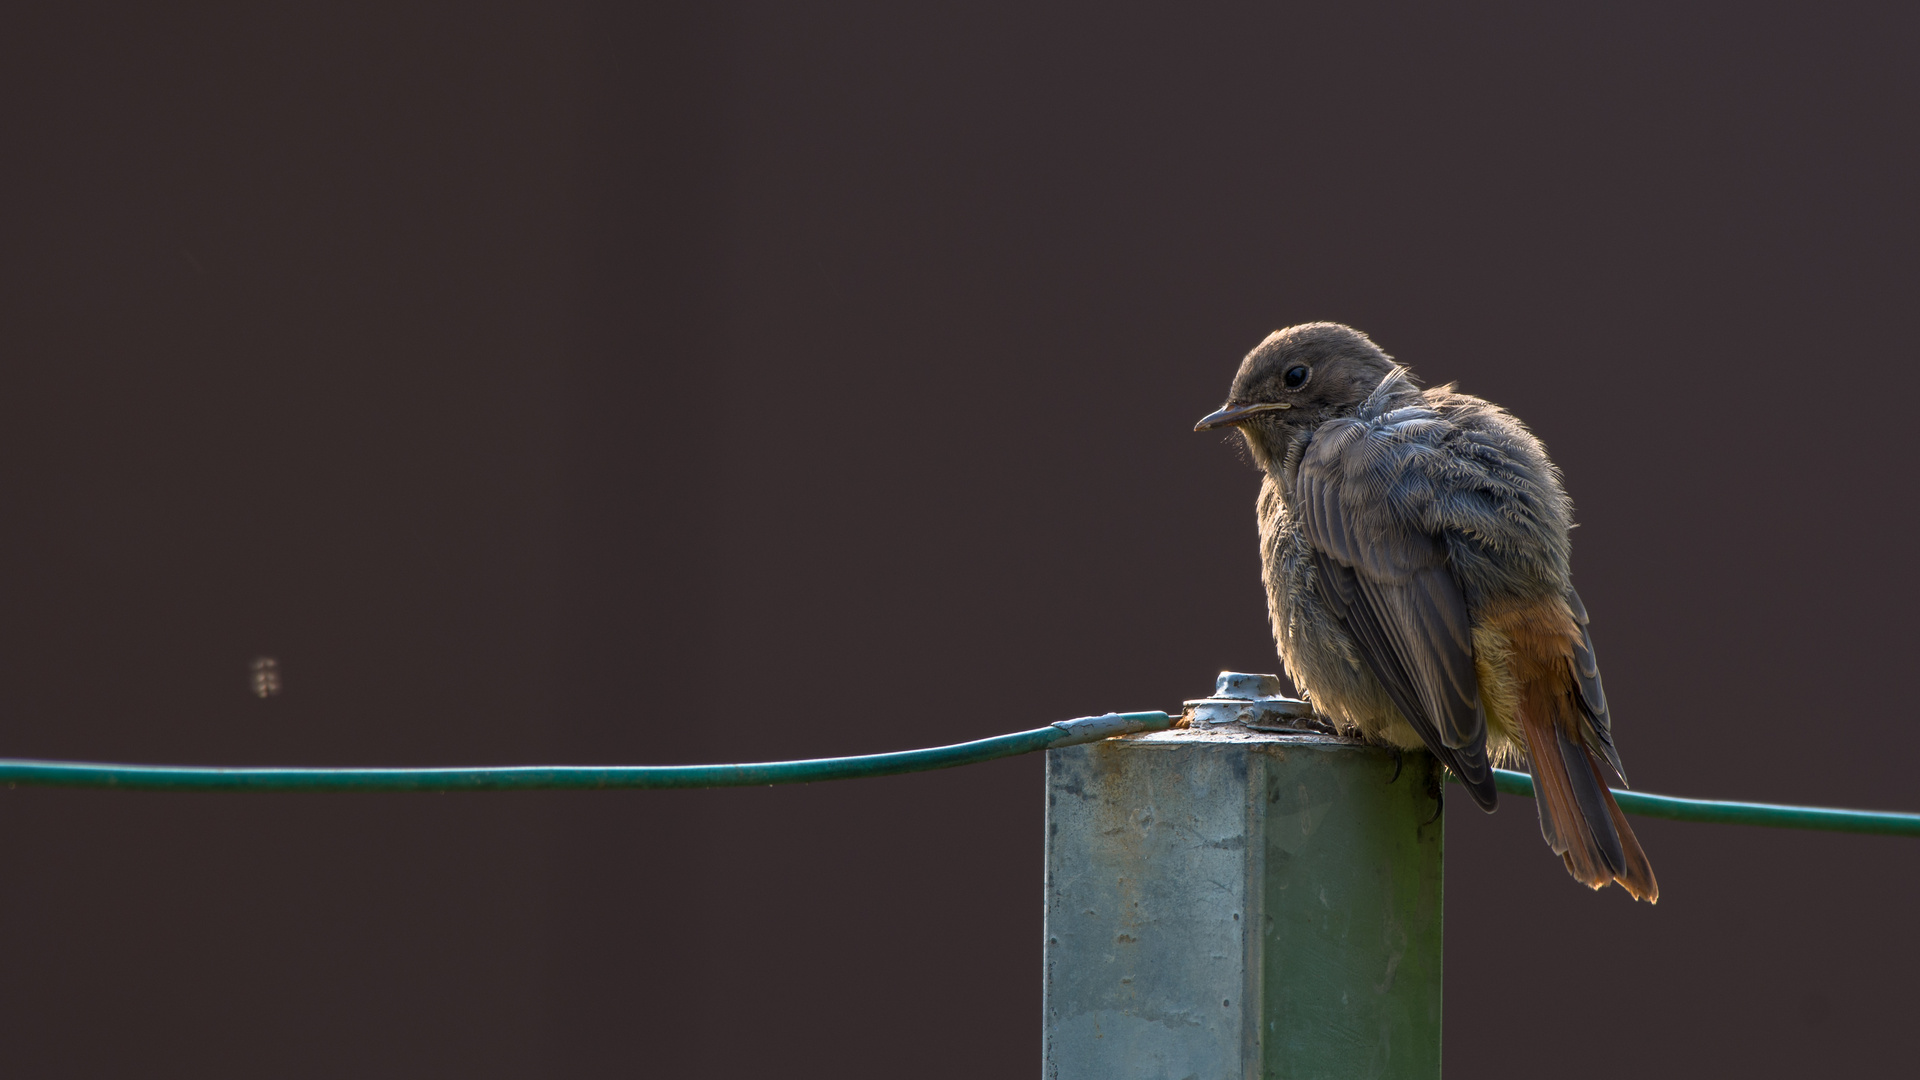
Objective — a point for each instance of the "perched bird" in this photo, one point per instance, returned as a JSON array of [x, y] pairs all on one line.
[[1415, 552]]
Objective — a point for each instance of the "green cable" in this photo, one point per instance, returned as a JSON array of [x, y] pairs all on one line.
[[1710, 811], [572, 777], [83, 774]]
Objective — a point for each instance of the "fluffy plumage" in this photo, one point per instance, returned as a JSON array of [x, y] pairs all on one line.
[[1414, 545]]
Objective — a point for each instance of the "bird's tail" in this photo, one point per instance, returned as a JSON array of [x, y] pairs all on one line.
[[1578, 816]]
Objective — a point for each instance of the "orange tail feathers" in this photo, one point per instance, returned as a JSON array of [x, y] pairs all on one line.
[[1578, 815]]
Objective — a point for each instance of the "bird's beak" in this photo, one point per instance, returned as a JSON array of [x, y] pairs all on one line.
[[1230, 414]]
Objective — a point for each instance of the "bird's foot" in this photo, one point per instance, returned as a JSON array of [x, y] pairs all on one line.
[[1320, 723], [1436, 787]]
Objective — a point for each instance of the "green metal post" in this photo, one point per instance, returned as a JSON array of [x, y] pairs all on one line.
[[1223, 902]]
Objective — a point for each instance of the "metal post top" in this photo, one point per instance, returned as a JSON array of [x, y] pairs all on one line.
[[1231, 902], [1238, 735]]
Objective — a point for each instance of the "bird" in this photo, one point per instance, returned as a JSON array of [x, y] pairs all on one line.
[[1415, 548]]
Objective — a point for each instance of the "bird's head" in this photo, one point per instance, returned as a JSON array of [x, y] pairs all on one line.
[[1296, 380]]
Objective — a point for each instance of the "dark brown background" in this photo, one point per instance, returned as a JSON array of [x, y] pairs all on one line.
[[656, 382]]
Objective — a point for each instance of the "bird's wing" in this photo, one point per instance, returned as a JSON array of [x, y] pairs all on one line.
[[1386, 577], [1593, 698]]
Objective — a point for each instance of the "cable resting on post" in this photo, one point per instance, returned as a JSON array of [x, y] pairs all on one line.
[[15, 772]]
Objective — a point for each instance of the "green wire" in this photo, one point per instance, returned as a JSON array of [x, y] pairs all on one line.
[[84, 774], [1769, 815], [571, 777]]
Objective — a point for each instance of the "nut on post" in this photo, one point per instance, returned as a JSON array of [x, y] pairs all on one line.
[[1252, 701]]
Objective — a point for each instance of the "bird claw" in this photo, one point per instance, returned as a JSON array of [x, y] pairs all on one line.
[[1437, 787], [1322, 724]]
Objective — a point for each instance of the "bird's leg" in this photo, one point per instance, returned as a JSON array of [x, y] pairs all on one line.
[[1398, 760]]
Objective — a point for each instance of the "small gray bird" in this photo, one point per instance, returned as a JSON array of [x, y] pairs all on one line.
[[1414, 547]]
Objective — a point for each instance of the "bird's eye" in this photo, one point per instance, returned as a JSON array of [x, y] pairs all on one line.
[[1295, 377]]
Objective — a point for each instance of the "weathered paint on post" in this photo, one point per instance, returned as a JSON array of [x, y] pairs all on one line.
[[1229, 903]]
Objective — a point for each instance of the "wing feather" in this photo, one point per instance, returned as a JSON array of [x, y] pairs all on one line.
[[1388, 581], [1593, 697]]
